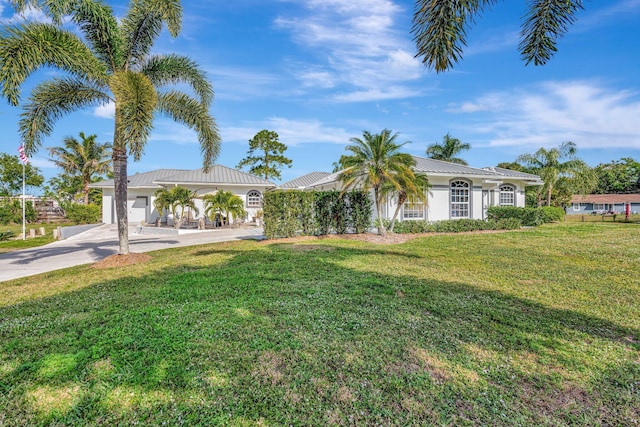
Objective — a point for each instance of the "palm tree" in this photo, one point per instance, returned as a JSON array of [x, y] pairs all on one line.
[[448, 149], [376, 163], [224, 203], [174, 198], [107, 61], [440, 29], [413, 187], [86, 159], [573, 174]]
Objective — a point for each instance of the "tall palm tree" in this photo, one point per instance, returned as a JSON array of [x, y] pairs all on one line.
[[107, 61], [572, 173], [440, 29], [86, 159], [376, 163], [448, 149], [174, 198], [413, 187], [224, 203]]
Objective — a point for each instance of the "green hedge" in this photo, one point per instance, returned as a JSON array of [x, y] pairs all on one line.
[[11, 211], [456, 225], [528, 216], [83, 214], [310, 213]]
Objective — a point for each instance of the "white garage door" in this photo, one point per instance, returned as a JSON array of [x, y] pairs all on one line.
[[137, 209]]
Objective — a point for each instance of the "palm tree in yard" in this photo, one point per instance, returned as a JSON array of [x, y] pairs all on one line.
[[413, 187], [224, 203], [376, 163], [447, 151], [573, 173], [86, 159], [109, 61], [174, 198]]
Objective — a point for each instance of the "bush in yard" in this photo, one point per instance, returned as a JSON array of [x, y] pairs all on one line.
[[457, 225], [309, 213], [11, 212], [530, 217], [552, 213], [83, 214]]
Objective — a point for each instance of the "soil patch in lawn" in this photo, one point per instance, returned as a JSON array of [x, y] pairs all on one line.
[[118, 260]]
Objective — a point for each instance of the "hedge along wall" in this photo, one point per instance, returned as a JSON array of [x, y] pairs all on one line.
[[289, 213]]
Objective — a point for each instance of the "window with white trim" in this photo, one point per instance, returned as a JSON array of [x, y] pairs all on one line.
[[459, 199], [413, 210], [254, 199], [600, 206], [507, 195], [576, 207]]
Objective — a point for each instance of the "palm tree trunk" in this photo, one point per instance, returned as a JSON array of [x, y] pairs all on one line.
[[120, 184], [401, 199], [85, 190], [549, 196], [381, 229]]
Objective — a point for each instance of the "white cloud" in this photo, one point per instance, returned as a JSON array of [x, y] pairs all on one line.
[[30, 14], [290, 132], [589, 114], [240, 84], [105, 111], [360, 45], [170, 131]]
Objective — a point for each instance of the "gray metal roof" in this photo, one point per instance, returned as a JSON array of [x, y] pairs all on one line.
[[512, 173], [142, 180], [432, 166], [303, 181], [217, 174], [327, 179]]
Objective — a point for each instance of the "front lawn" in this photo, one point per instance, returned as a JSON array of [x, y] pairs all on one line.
[[530, 327], [15, 244]]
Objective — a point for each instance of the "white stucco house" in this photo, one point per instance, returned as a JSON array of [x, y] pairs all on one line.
[[457, 191], [142, 186]]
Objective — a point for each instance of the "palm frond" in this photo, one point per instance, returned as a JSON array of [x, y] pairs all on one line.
[[172, 69], [143, 25], [25, 48], [49, 101], [101, 30], [136, 100], [440, 28], [55, 9], [188, 111], [545, 22]]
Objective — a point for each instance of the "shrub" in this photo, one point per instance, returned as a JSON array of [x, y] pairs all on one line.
[[6, 235], [11, 211], [457, 225], [290, 213], [528, 216], [552, 213], [84, 214]]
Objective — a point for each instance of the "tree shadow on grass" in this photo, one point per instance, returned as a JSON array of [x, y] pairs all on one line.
[[287, 336]]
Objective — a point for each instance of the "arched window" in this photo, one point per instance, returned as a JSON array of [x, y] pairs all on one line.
[[254, 199], [507, 195], [460, 199]]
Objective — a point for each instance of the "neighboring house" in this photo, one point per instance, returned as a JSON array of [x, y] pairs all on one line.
[[603, 203], [457, 191], [142, 186]]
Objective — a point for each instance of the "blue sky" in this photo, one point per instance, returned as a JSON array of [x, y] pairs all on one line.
[[319, 72]]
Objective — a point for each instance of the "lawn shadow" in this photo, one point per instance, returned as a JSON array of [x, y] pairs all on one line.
[[280, 335]]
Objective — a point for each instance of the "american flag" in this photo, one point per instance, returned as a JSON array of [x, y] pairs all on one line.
[[23, 156]]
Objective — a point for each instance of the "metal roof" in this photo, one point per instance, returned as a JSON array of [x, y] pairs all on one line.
[[303, 181], [217, 174], [433, 167], [141, 180], [512, 173]]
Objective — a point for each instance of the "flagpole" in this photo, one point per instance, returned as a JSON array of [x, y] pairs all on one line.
[[24, 231]]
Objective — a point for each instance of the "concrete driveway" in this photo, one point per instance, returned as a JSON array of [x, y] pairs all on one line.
[[100, 242]]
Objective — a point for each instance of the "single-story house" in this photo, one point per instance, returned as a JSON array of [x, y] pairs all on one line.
[[603, 203], [142, 186], [457, 191]]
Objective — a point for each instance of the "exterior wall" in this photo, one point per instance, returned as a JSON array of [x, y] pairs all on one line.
[[134, 205], [588, 208]]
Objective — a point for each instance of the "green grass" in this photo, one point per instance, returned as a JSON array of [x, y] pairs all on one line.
[[533, 327], [602, 218], [17, 244]]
